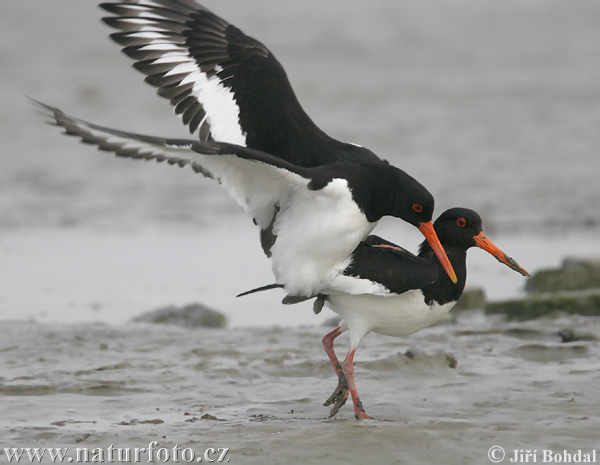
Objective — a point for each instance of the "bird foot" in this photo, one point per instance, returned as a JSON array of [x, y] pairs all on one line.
[[339, 396], [359, 411]]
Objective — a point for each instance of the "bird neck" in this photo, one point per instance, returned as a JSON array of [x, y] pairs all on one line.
[[443, 290]]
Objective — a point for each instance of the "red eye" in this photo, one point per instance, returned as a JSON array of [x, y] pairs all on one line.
[[461, 222], [418, 208]]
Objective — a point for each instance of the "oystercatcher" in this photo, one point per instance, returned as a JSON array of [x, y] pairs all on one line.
[[387, 290], [314, 198]]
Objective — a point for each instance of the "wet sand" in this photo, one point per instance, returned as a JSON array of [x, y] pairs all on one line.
[[93, 385]]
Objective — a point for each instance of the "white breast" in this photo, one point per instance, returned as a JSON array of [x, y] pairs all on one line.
[[393, 315], [316, 231]]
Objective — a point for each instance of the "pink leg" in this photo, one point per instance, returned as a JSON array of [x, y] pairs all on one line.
[[340, 394], [348, 370], [328, 345]]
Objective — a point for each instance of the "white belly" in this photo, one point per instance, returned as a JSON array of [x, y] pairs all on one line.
[[315, 233], [394, 315]]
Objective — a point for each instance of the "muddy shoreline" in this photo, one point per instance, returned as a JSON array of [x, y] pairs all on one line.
[[259, 391]]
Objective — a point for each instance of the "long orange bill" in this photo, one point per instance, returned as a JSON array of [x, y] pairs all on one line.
[[483, 242], [436, 245]]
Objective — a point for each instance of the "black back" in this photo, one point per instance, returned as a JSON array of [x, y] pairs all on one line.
[[399, 270], [394, 267]]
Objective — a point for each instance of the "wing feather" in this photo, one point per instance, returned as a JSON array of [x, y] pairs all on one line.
[[191, 54], [384, 263], [257, 180]]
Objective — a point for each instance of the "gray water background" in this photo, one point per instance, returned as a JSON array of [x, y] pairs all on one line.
[[491, 105]]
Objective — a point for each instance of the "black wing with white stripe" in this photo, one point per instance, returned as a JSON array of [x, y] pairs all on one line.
[[225, 85], [380, 261]]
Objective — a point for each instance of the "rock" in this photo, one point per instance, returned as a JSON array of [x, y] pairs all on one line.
[[548, 305], [472, 298], [574, 335], [190, 316], [446, 359], [208, 416], [574, 274], [156, 421], [134, 422], [451, 359], [572, 288]]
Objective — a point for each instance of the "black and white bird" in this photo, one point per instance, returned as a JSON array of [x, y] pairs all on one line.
[[386, 289], [314, 198]]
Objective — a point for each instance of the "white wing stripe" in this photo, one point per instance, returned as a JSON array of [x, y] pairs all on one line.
[[149, 15], [217, 100], [165, 46], [143, 20], [149, 35], [173, 58], [152, 29]]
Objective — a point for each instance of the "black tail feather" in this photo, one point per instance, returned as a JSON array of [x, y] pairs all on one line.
[[260, 289]]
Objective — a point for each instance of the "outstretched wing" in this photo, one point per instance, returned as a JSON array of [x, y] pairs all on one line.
[[257, 180], [389, 269], [227, 86]]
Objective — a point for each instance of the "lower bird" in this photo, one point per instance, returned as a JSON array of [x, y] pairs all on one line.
[[386, 289]]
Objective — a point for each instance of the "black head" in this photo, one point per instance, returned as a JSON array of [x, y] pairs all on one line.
[[461, 229], [381, 190], [457, 227], [412, 202]]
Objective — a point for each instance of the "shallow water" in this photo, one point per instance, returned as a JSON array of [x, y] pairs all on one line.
[[491, 105], [78, 275]]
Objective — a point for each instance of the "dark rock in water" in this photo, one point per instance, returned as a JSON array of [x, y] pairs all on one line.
[[446, 359], [156, 421], [208, 416], [471, 299], [451, 359], [573, 288], [574, 274], [548, 305], [574, 335], [526, 334], [190, 316]]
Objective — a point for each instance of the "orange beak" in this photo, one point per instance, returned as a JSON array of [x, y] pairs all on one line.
[[483, 242], [436, 245]]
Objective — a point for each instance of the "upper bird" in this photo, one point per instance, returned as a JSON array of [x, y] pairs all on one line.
[[387, 290], [314, 198]]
